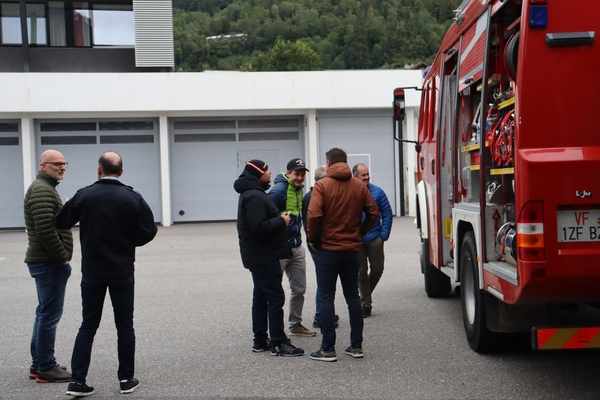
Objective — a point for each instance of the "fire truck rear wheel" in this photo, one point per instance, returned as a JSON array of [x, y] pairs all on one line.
[[437, 284], [480, 338]]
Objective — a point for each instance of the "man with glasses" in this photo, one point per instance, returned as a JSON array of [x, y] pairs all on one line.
[[48, 254]]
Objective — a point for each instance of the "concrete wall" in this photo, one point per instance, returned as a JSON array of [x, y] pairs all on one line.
[[190, 93]]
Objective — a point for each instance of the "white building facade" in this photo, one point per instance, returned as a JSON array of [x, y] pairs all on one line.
[[184, 137]]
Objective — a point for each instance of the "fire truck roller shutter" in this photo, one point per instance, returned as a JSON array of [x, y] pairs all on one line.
[[511, 55]]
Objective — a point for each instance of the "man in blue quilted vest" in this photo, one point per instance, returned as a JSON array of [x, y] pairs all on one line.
[[371, 253]]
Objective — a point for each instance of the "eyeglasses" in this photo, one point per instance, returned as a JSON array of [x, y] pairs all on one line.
[[57, 164]]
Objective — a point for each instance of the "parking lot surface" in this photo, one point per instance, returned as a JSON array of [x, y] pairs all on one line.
[[194, 337]]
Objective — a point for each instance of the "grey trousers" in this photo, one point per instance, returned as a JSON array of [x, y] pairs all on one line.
[[373, 253], [295, 269]]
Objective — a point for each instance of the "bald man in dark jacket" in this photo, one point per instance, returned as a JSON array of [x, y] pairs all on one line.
[[114, 220]]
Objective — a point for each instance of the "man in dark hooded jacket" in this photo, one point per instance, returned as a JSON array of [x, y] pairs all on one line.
[[263, 242]]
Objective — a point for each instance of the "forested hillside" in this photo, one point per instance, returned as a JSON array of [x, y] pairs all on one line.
[[307, 34]]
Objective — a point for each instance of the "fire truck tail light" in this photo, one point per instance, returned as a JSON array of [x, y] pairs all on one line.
[[538, 15], [531, 241], [532, 213], [531, 229], [530, 232]]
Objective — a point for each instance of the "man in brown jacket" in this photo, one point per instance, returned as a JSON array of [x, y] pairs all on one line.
[[335, 231]]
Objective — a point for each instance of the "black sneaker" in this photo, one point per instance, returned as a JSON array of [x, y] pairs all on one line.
[[259, 347], [321, 355], [286, 349], [366, 312], [355, 353], [129, 385], [79, 389]]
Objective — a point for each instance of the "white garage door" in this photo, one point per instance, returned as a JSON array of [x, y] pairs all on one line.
[[11, 176], [82, 143], [367, 138], [209, 154]]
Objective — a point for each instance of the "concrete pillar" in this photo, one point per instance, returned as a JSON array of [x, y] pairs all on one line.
[[311, 145], [30, 161], [165, 169]]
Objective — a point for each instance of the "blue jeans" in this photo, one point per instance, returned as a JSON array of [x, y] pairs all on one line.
[[330, 265], [93, 292], [51, 283], [317, 296], [267, 303]]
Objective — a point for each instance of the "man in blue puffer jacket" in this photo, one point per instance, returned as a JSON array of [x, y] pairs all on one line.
[[287, 196], [372, 248]]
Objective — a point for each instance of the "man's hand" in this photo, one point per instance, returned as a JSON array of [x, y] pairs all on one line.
[[286, 217]]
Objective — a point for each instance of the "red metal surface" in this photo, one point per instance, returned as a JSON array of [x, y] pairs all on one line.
[[557, 144]]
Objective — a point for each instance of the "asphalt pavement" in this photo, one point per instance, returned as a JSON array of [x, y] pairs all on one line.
[[194, 338]]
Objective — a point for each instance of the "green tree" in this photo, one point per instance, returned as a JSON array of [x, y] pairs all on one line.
[[287, 56], [343, 34]]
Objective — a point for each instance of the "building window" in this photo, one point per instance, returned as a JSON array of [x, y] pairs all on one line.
[[126, 126], [58, 29], [113, 25], [11, 23], [204, 137], [9, 141], [237, 130], [58, 140], [9, 127], [260, 136], [123, 139], [69, 24]]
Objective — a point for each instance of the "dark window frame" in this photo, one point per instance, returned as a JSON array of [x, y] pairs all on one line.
[[69, 24]]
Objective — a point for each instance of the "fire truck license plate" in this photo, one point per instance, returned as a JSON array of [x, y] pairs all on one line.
[[579, 226]]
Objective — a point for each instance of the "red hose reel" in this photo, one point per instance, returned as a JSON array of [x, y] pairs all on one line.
[[501, 140]]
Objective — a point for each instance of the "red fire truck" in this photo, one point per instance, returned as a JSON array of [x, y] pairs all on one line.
[[508, 199]]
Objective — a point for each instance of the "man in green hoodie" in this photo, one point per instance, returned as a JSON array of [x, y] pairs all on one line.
[[48, 254]]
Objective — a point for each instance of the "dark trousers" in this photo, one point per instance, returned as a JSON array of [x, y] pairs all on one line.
[[267, 303], [330, 265], [93, 292]]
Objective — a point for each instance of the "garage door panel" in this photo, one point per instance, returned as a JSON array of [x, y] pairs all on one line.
[[141, 168], [211, 152], [11, 195], [221, 191], [203, 172], [11, 176], [197, 211], [362, 138]]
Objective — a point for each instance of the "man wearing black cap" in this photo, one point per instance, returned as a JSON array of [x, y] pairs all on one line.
[[287, 196], [263, 241]]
